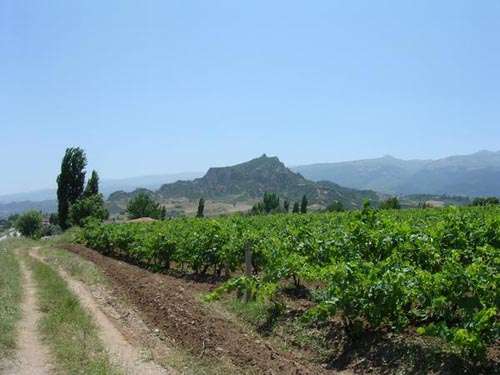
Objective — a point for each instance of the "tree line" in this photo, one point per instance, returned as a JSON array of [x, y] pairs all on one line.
[[271, 204], [76, 201]]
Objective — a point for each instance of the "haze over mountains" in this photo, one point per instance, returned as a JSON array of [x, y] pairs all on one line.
[[471, 175], [106, 186], [45, 199]]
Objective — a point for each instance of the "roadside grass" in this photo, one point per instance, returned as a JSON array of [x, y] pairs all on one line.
[[65, 237], [10, 298], [254, 312], [66, 327], [77, 267], [186, 363], [87, 272]]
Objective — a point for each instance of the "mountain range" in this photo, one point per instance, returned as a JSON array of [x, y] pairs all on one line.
[[463, 175], [467, 175], [248, 182]]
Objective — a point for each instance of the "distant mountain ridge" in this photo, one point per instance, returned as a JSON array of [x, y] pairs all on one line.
[[463, 175], [45, 199], [249, 180], [106, 186], [469, 175], [7, 209]]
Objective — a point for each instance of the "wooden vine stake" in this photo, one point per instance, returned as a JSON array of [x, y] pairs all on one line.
[[248, 268]]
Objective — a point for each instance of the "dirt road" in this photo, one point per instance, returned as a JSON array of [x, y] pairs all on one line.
[[125, 356], [32, 356]]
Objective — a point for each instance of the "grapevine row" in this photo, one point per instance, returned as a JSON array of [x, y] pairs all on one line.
[[437, 270]]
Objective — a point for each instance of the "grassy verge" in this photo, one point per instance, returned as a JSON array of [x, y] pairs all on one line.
[[88, 273], [10, 298], [67, 327], [77, 267]]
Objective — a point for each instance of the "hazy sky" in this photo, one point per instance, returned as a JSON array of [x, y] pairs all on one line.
[[148, 87]]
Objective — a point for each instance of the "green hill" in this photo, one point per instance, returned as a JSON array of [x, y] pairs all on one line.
[[248, 181]]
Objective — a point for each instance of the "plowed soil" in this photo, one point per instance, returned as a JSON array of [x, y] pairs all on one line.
[[172, 305]]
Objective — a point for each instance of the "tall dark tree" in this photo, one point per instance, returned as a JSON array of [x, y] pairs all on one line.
[[92, 187], [286, 205], [296, 208], [390, 204], [163, 213], [257, 208], [201, 207], [271, 202], [70, 182], [303, 205]]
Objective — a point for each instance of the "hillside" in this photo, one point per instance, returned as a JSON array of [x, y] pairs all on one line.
[[46, 206], [471, 175], [248, 181]]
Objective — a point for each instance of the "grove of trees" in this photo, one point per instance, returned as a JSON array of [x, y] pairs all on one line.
[[485, 201], [390, 204], [271, 204], [75, 201]]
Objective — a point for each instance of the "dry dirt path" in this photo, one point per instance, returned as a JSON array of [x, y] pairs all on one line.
[[32, 357], [122, 353]]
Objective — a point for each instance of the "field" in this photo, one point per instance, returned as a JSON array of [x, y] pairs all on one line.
[[189, 207], [370, 291], [429, 277]]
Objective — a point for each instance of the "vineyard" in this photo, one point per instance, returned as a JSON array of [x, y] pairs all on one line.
[[436, 270]]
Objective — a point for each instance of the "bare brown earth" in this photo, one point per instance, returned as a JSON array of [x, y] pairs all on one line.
[[124, 355], [32, 357], [172, 306], [142, 220]]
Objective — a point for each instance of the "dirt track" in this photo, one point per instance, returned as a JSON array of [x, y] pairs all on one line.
[[32, 356], [172, 306], [123, 355]]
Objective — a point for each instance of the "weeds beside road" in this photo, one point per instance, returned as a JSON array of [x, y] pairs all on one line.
[[10, 299], [67, 327]]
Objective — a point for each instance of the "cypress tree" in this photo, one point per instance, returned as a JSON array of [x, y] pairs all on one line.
[[70, 182], [201, 207], [286, 205], [92, 187], [303, 205]]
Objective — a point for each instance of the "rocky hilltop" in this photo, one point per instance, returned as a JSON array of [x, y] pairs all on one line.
[[248, 181]]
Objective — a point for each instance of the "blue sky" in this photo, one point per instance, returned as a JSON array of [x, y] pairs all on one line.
[[168, 86]]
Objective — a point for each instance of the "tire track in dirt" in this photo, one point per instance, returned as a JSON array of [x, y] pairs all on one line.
[[122, 353], [32, 356]]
